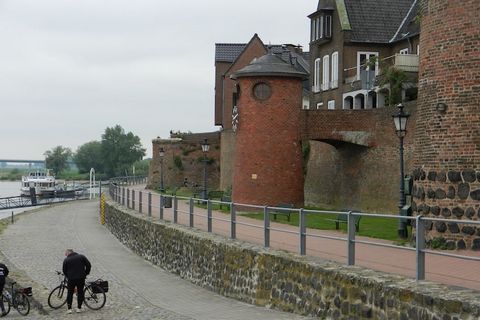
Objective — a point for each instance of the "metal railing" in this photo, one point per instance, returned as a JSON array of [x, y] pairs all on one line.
[[128, 180], [121, 195]]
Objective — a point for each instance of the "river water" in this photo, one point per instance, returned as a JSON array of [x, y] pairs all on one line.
[[10, 189]]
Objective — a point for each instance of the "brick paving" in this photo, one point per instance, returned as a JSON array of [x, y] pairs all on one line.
[[138, 290]]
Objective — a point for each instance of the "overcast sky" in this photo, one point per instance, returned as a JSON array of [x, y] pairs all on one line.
[[71, 68]]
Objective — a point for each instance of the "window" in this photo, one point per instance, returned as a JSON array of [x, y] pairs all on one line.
[[328, 26], [320, 26], [418, 50], [362, 62], [331, 105], [319, 105], [404, 51], [314, 28], [326, 73], [334, 83], [262, 91], [316, 76]]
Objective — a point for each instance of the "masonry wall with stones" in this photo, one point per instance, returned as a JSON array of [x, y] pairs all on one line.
[[447, 155], [288, 282], [183, 161]]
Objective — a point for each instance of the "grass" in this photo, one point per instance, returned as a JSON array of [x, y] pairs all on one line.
[[374, 227]]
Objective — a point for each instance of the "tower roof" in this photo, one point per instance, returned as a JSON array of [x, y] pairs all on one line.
[[269, 65]]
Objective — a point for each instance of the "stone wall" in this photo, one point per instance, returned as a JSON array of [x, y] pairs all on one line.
[[284, 281]]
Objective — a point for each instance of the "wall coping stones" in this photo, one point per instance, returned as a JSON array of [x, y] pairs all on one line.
[[282, 280]]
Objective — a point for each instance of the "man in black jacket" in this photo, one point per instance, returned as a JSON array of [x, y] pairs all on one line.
[[76, 267], [3, 275]]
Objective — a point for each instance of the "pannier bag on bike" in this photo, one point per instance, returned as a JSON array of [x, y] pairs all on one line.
[[100, 283]]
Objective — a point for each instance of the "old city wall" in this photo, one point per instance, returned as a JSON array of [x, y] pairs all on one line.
[[284, 281], [183, 160], [447, 154], [353, 162]]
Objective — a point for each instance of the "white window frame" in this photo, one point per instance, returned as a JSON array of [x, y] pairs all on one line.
[[418, 49], [404, 51], [319, 105], [316, 75], [331, 105], [334, 82], [326, 73], [328, 25], [314, 22], [368, 55], [320, 27]]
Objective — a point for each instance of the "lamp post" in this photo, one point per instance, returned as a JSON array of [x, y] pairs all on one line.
[[205, 148], [161, 153], [400, 120]]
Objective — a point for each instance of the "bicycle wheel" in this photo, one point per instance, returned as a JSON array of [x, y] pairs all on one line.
[[94, 297], [58, 297], [22, 303], [6, 303]]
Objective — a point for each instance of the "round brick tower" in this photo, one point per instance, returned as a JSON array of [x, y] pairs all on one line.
[[268, 155], [447, 136]]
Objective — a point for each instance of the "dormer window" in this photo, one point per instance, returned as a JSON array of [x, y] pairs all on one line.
[[321, 27]]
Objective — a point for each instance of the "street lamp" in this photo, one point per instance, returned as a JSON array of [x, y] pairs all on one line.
[[400, 120], [205, 148], [161, 153]]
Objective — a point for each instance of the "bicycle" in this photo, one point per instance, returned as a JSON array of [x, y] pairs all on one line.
[[94, 291], [18, 299]]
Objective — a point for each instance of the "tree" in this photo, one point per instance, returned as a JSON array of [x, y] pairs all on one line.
[[56, 159], [120, 150], [89, 155]]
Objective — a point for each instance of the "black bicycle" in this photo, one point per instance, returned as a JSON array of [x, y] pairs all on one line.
[[18, 299], [94, 291]]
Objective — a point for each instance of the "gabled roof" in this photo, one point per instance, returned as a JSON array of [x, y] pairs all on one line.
[[410, 25], [376, 21], [228, 52]]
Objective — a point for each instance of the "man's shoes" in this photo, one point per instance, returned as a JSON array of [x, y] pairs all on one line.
[[78, 310], [69, 311]]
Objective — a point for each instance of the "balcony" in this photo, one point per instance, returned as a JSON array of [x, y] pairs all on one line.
[[406, 62]]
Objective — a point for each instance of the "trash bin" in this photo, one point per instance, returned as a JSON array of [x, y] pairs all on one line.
[[167, 202]]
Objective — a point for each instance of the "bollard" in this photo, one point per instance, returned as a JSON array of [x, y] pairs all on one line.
[[209, 215], [12, 217], [161, 207], [175, 209], [191, 212], [420, 247], [233, 222], [351, 239], [149, 204]]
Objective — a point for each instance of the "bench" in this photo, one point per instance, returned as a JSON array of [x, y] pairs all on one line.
[[215, 195], [343, 218], [283, 209]]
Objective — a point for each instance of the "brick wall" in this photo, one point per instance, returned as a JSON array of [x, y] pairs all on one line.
[[354, 158], [268, 156], [188, 149], [447, 172]]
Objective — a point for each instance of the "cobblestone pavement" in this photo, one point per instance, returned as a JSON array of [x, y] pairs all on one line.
[[34, 245]]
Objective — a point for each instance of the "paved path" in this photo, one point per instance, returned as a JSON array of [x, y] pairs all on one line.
[[139, 290], [441, 269]]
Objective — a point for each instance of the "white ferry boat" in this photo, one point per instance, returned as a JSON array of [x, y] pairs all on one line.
[[42, 181]]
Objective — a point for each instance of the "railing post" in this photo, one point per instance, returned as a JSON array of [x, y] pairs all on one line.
[[266, 227], [161, 206], [149, 204], [209, 216], [128, 198], [420, 247], [140, 201], [233, 222], [190, 212], [123, 196], [133, 199], [302, 232], [351, 239], [175, 209]]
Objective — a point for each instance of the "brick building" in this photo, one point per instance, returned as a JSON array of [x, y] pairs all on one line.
[[353, 42]]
